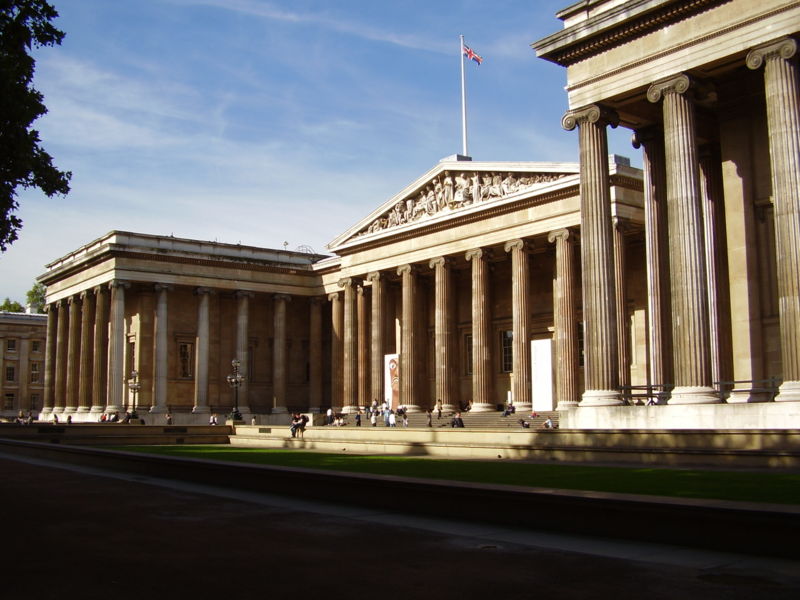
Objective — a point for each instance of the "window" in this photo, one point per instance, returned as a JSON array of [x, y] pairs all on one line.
[[36, 372], [11, 345], [34, 401], [11, 374], [185, 360], [468, 354], [506, 351], [8, 401], [36, 346]]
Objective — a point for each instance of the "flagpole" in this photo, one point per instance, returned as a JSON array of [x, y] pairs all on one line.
[[463, 101]]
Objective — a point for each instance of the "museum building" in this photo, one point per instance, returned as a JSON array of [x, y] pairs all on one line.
[[591, 288]]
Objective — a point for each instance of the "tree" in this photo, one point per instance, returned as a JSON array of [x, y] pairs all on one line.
[[24, 24], [36, 296], [10, 305]]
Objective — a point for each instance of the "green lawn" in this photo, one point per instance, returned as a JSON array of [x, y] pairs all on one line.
[[764, 486]]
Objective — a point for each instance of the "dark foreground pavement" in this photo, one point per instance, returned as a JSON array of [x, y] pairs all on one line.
[[76, 533]]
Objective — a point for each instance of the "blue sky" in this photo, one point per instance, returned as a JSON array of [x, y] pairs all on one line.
[[269, 121]]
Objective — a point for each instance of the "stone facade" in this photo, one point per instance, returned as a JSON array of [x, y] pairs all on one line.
[[22, 363]]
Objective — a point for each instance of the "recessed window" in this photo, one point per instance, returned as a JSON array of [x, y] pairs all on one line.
[[36, 346], [185, 360], [506, 351], [11, 345], [8, 401], [11, 374], [36, 372]]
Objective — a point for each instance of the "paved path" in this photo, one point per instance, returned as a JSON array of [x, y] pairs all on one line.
[[71, 532]]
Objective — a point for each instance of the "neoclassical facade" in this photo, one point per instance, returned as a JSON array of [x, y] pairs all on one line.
[[589, 288], [468, 279], [709, 90]]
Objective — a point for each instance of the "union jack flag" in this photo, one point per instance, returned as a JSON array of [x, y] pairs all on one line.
[[472, 55]]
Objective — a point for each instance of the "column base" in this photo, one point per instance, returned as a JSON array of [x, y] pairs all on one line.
[[413, 408], [112, 408], [447, 408], [567, 405], [747, 396], [694, 395], [601, 398], [483, 407], [70, 410], [83, 409], [788, 392], [200, 410], [158, 410], [349, 410], [58, 409]]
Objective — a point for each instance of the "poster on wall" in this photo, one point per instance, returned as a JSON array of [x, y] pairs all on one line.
[[542, 374], [391, 379]]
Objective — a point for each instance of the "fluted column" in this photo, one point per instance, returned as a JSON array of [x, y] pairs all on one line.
[[73, 354], [444, 334], [160, 348], [350, 354], [688, 272], [783, 121], [408, 372], [50, 357], [601, 369], [337, 350], [659, 336], [362, 302], [565, 324], [377, 349], [521, 349], [60, 388], [279, 362], [482, 377], [100, 355], [621, 302], [315, 354], [116, 347], [87, 350], [202, 342], [243, 347]]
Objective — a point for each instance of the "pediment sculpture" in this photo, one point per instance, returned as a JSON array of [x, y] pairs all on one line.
[[450, 191]]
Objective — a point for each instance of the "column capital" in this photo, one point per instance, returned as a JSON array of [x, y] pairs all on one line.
[[83, 294], [645, 135], [517, 244], [163, 287], [283, 297], [349, 282], [73, 299], [360, 290], [202, 291], [784, 48], [333, 296], [316, 300], [403, 269], [593, 113], [119, 283], [478, 253], [374, 276], [560, 235], [680, 84], [100, 289], [440, 261]]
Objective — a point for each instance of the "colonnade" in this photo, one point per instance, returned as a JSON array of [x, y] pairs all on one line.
[[684, 279]]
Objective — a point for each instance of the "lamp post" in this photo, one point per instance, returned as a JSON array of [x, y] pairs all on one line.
[[235, 380], [134, 386]]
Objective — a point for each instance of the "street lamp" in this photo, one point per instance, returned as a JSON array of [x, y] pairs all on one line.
[[134, 386], [235, 380]]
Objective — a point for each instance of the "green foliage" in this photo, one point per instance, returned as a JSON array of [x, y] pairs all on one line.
[[24, 24], [10, 305], [36, 295]]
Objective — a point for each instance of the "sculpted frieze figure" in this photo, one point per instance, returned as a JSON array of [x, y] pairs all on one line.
[[448, 192]]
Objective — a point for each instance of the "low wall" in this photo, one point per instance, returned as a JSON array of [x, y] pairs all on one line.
[[761, 415]]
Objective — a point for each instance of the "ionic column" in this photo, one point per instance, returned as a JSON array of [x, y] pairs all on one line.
[[565, 324], [100, 356], [601, 369], [243, 346], [690, 323], [783, 121], [377, 349], [50, 358], [161, 350], [655, 216], [116, 347], [482, 388], [73, 354], [315, 354], [444, 334], [202, 354], [408, 373], [279, 363], [521, 349], [363, 347], [621, 302], [337, 350], [60, 390], [87, 350], [350, 366]]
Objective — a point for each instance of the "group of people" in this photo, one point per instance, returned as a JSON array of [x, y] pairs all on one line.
[[23, 419], [298, 425]]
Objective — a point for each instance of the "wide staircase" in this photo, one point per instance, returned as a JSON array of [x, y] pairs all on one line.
[[482, 420]]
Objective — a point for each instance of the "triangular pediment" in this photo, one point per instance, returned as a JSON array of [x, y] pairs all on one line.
[[451, 189]]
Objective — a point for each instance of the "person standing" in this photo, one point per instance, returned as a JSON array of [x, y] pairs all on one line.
[[392, 419], [429, 414]]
